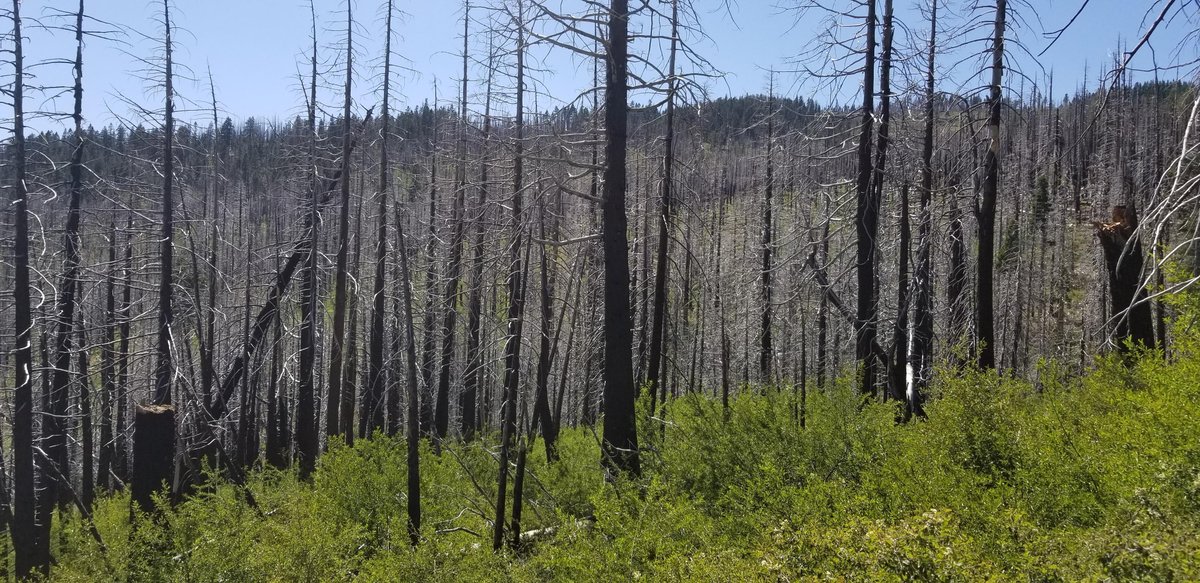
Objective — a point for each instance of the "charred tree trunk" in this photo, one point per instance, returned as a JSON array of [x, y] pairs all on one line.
[[374, 407], [866, 222], [441, 420], [765, 349], [897, 383], [306, 430], [31, 553], [153, 452], [54, 428], [543, 418], [957, 284], [921, 352], [987, 208], [277, 455], [164, 367], [87, 481], [662, 267], [822, 256], [1124, 259], [154, 425], [350, 374], [412, 428], [470, 395], [337, 343], [516, 292], [108, 383], [717, 306], [620, 445], [121, 460], [895, 365], [429, 324]]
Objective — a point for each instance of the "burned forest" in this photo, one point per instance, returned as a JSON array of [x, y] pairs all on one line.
[[912, 302]]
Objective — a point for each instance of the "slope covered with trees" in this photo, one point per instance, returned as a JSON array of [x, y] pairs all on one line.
[[753, 335]]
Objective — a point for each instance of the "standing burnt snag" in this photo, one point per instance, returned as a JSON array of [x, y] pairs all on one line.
[[1123, 259], [153, 452]]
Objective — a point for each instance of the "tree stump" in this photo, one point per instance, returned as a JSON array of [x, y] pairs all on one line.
[[153, 452], [1124, 261]]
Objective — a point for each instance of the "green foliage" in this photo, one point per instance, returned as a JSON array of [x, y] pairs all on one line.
[[1041, 201], [1010, 247], [1093, 478]]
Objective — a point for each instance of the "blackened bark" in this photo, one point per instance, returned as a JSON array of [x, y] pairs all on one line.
[[516, 292], [662, 267], [337, 343], [957, 284], [471, 419], [766, 351], [898, 373], [543, 418], [164, 366], [921, 352], [153, 452], [450, 298], [987, 208], [108, 383], [54, 428], [87, 445], [717, 303], [350, 385], [822, 256], [429, 324], [373, 406], [412, 428], [306, 431], [518, 495], [277, 444], [866, 222], [121, 463], [620, 445], [1124, 259], [30, 555]]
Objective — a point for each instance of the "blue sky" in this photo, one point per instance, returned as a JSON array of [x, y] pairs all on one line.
[[252, 48]]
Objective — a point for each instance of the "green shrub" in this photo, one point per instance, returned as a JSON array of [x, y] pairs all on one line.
[[1061, 479]]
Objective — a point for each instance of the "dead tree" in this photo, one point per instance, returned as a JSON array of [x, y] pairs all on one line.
[[412, 428], [866, 221], [883, 136], [921, 350], [986, 212], [108, 381], [662, 268], [164, 368], [620, 445], [154, 424], [441, 420], [54, 427], [373, 407], [429, 320], [471, 418], [337, 343], [31, 553], [766, 351], [516, 291], [306, 414]]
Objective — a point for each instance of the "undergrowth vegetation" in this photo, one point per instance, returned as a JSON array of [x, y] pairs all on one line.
[[1070, 478]]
